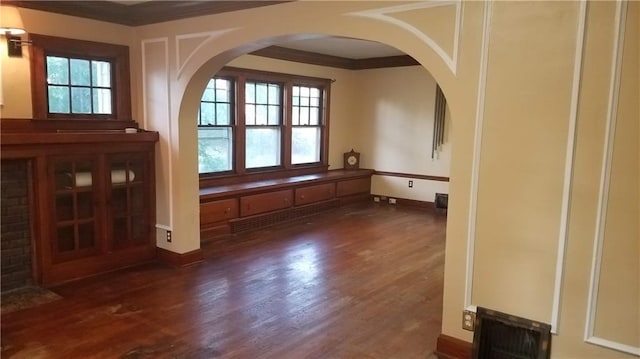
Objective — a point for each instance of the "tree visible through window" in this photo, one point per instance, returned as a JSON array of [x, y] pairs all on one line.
[[215, 127], [78, 86]]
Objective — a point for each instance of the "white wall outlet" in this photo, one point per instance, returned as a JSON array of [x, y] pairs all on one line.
[[468, 320], [392, 201], [376, 199]]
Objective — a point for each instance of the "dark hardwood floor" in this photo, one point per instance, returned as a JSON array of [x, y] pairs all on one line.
[[363, 281]]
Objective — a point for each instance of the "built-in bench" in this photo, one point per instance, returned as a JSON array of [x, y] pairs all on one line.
[[237, 207]]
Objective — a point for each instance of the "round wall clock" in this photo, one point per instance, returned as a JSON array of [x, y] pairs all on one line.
[[351, 160]]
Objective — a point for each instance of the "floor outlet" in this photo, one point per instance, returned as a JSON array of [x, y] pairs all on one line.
[[376, 199], [169, 236], [392, 201]]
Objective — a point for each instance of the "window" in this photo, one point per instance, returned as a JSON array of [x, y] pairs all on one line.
[[77, 86], [277, 123], [263, 118], [75, 79], [306, 125], [215, 127]]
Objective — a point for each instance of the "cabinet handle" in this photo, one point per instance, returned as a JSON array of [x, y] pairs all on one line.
[[302, 196], [227, 210]]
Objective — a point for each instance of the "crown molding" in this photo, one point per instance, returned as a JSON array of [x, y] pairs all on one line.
[[314, 58]]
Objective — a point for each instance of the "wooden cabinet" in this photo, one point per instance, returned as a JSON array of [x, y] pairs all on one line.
[[354, 186], [317, 193], [230, 208], [265, 202], [93, 201], [218, 211]]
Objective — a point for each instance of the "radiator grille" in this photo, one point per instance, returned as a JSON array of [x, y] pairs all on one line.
[[260, 221], [503, 336]]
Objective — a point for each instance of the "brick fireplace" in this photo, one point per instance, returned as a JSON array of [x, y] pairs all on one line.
[[15, 229]]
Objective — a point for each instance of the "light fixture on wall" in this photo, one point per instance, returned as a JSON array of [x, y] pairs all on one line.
[[14, 41]]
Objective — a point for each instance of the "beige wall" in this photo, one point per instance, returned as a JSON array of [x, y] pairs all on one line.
[[518, 158]]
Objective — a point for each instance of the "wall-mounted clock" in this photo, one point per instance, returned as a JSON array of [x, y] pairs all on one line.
[[351, 160]]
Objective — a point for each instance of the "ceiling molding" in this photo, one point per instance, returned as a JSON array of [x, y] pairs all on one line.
[[314, 58], [144, 13]]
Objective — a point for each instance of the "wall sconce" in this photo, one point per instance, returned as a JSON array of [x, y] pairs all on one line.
[[14, 41]]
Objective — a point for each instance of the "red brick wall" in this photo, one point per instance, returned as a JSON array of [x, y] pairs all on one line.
[[15, 231]]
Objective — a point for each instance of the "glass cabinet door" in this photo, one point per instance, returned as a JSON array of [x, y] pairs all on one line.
[[129, 200], [74, 206]]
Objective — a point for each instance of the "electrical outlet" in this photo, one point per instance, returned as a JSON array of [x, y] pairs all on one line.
[[410, 184], [468, 320], [376, 199], [169, 236], [392, 201]]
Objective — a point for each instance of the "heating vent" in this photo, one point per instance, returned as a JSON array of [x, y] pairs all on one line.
[[245, 224], [503, 336]]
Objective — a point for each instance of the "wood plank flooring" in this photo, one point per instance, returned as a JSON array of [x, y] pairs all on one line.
[[363, 281]]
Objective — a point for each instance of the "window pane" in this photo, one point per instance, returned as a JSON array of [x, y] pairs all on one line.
[[263, 147], [250, 93], [261, 93], [304, 115], [304, 91], [314, 116], [101, 73], [261, 114], [315, 92], [296, 91], [209, 95], [315, 101], [250, 114], [274, 115], [58, 99], [296, 101], [305, 145], [304, 101], [295, 116], [80, 74], [223, 114], [274, 94], [102, 101], [207, 113], [223, 84], [222, 95], [215, 149], [57, 70], [80, 100]]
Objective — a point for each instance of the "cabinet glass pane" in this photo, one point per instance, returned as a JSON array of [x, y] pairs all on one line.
[[65, 239], [85, 205], [87, 235], [64, 207], [137, 199], [73, 174], [119, 200], [140, 228], [120, 230]]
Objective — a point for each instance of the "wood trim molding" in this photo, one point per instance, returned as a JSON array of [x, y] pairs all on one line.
[[412, 175], [314, 58], [179, 259], [449, 347], [142, 13], [27, 125]]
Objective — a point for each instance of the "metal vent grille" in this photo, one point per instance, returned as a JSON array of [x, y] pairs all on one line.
[[503, 336], [260, 221]]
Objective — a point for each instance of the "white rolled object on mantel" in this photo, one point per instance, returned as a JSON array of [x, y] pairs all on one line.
[[85, 179], [120, 176]]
